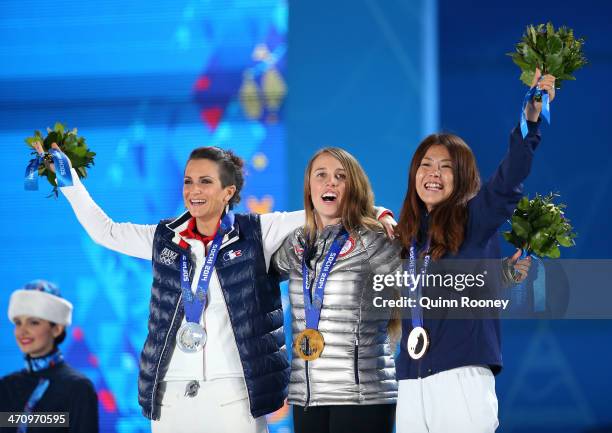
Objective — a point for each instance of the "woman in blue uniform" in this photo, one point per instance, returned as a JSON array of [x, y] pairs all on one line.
[[47, 383], [446, 367]]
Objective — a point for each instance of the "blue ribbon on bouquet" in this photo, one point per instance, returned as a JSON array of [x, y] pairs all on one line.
[[31, 175], [535, 92], [62, 170]]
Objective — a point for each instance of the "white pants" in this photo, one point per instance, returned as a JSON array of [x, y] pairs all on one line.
[[461, 400], [220, 406]]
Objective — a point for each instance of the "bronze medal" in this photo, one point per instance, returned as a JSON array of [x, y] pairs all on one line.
[[309, 344], [418, 342]]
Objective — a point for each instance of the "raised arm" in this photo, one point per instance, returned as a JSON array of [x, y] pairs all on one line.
[[132, 239], [498, 197]]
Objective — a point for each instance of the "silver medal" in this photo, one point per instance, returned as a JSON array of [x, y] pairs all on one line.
[[416, 336], [191, 337]]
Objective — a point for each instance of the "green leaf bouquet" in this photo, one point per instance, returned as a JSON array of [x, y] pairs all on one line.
[[555, 52], [75, 148], [539, 226]]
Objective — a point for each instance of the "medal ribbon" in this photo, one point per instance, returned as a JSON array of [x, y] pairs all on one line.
[[535, 92], [194, 305], [62, 170], [313, 308], [38, 364], [417, 313]]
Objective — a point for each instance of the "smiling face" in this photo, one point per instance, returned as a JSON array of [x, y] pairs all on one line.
[[203, 193], [35, 336], [327, 185], [435, 176]]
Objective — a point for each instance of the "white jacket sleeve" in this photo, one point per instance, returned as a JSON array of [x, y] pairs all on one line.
[[275, 227], [132, 239]]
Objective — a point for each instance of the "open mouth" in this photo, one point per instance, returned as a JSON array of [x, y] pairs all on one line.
[[197, 203], [329, 197], [433, 186]]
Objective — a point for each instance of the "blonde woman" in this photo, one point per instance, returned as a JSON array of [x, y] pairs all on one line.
[[342, 371]]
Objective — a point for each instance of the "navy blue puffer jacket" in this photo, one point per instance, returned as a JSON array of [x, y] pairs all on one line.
[[253, 300]]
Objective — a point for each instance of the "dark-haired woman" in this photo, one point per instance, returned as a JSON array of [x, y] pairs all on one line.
[[48, 383], [214, 359], [448, 386]]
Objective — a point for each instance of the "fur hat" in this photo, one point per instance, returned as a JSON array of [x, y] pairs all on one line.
[[41, 299]]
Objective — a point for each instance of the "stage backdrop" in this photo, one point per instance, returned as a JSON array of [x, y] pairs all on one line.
[[354, 73], [145, 82], [556, 376]]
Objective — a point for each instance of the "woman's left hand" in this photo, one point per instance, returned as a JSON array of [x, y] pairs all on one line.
[[389, 225], [547, 82], [520, 266]]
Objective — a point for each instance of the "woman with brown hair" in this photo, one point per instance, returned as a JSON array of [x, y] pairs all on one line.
[[342, 371], [446, 367], [216, 343], [214, 359]]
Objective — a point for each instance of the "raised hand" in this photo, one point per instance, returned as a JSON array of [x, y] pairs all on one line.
[[520, 266], [38, 147], [546, 82]]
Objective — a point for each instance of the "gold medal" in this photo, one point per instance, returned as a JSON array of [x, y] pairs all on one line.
[[309, 344]]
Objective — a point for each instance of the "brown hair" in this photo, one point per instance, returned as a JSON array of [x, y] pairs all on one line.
[[230, 165], [448, 219], [357, 207]]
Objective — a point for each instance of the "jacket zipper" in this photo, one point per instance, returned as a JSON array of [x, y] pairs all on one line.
[[356, 359], [234, 334], [307, 388], [314, 274]]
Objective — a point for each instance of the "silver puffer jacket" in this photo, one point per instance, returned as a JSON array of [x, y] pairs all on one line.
[[356, 365]]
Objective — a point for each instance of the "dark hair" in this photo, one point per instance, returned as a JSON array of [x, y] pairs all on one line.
[[231, 170], [60, 338], [448, 219]]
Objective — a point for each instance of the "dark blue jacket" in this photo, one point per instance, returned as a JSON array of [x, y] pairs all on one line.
[[454, 342], [253, 301], [69, 391]]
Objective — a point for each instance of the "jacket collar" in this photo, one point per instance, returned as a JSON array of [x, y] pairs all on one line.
[[180, 223], [329, 231]]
